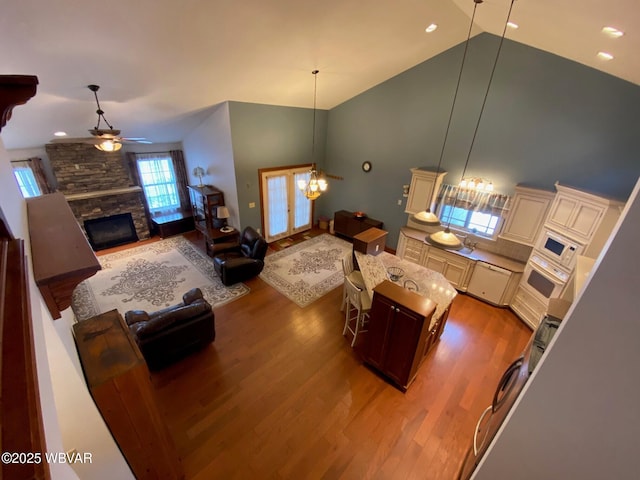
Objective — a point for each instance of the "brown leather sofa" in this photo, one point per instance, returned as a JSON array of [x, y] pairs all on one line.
[[172, 333], [238, 261]]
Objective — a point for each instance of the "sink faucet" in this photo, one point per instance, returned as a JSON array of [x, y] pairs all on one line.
[[469, 244]]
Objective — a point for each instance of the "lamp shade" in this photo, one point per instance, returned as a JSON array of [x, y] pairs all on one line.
[[109, 146], [223, 212], [445, 239], [426, 217]]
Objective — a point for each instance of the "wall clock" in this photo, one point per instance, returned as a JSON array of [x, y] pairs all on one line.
[[366, 166]]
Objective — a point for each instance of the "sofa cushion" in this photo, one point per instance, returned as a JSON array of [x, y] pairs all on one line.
[[135, 316], [192, 295]]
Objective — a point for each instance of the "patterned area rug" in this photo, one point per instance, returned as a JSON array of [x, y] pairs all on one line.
[[308, 270], [149, 278]]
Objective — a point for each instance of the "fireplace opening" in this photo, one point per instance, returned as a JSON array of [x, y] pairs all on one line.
[[111, 231]]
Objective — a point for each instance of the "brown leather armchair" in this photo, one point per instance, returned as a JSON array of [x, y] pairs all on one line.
[[170, 334], [238, 261]]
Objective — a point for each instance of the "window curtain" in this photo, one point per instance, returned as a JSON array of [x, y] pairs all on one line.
[[484, 202], [182, 179], [132, 164]]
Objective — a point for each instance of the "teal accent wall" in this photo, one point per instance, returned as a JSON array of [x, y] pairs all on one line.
[[265, 136], [546, 119]]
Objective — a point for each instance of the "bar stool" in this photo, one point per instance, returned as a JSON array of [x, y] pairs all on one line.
[[358, 301], [352, 274]]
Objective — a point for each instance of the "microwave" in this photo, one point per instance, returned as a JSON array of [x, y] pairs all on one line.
[[558, 248]]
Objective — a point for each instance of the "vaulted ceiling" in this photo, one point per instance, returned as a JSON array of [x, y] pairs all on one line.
[[162, 64]]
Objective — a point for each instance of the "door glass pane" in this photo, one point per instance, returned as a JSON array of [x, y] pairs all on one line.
[[277, 190], [302, 210]]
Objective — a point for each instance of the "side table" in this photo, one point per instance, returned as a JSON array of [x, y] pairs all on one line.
[[215, 235]]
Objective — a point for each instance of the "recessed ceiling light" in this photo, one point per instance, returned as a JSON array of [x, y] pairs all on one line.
[[431, 28], [60, 134], [612, 32], [512, 25], [605, 56]]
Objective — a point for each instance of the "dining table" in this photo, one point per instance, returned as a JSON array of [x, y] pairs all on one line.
[[414, 277]]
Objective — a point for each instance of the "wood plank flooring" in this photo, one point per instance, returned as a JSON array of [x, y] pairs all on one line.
[[281, 394]]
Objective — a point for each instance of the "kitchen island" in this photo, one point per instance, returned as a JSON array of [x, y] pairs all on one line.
[[407, 315]]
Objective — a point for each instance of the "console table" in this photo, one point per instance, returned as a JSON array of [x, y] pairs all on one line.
[[120, 384], [347, 225]]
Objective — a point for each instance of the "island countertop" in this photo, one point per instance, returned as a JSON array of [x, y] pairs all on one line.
[[428, 283]]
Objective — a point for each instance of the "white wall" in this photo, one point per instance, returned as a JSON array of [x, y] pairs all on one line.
[[209, 146], [579, 416], [70, 417]]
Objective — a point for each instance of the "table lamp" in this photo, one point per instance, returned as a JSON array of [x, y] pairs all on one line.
[[222, 213]]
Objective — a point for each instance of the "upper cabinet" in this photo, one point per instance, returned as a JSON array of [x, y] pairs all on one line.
[[424, 186], [583, 216], [526, 216]]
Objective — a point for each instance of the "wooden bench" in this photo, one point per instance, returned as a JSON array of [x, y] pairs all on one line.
[[170, 224]]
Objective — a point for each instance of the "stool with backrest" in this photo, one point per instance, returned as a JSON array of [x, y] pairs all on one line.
[[352, 274], [358, 303]]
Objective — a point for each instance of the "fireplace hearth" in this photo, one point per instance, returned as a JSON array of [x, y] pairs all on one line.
[[110, 231]]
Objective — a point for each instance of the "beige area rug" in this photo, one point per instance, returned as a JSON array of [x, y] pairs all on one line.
[[151, 277], [306, 271]]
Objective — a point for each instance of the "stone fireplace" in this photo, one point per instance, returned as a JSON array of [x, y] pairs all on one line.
[[97, 184]]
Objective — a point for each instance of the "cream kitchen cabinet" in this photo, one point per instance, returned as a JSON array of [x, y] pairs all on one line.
[[527, 214], [528, 307], [583, 216], [424, 186], [455, 268], [410, 249]]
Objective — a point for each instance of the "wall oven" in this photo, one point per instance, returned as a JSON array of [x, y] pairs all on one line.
[[544, 278], [558, 248]]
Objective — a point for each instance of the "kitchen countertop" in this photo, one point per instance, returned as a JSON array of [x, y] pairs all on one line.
[[428, 283], [477, 254]]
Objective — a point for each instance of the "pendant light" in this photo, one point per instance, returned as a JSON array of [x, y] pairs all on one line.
[[427, 217], [445, 238], [316, 184]]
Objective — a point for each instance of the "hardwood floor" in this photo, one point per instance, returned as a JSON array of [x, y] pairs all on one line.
[[280, 394]]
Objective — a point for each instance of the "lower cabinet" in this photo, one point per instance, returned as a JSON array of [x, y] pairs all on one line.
[[399, 337], [455, 268], [410, 249], [528, 307]]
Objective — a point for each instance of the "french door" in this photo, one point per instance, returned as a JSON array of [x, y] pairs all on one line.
[[285, 208]]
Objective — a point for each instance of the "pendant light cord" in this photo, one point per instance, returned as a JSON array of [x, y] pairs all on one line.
[[484, 102], [313, 135], [455, 95]]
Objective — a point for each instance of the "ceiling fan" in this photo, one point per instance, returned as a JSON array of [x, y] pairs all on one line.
[[105, 139]]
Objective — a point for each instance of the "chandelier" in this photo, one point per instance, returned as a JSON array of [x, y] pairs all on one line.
[[476, 183], [316, 184]]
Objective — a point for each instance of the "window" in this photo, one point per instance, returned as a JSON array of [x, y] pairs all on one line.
[[27, 182], [470, 220], [158, 180], [475, 212]]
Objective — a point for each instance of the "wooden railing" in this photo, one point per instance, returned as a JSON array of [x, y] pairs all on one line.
[[22, 441], [22, 433]]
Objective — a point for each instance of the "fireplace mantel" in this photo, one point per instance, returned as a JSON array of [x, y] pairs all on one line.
[[101, 193]]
